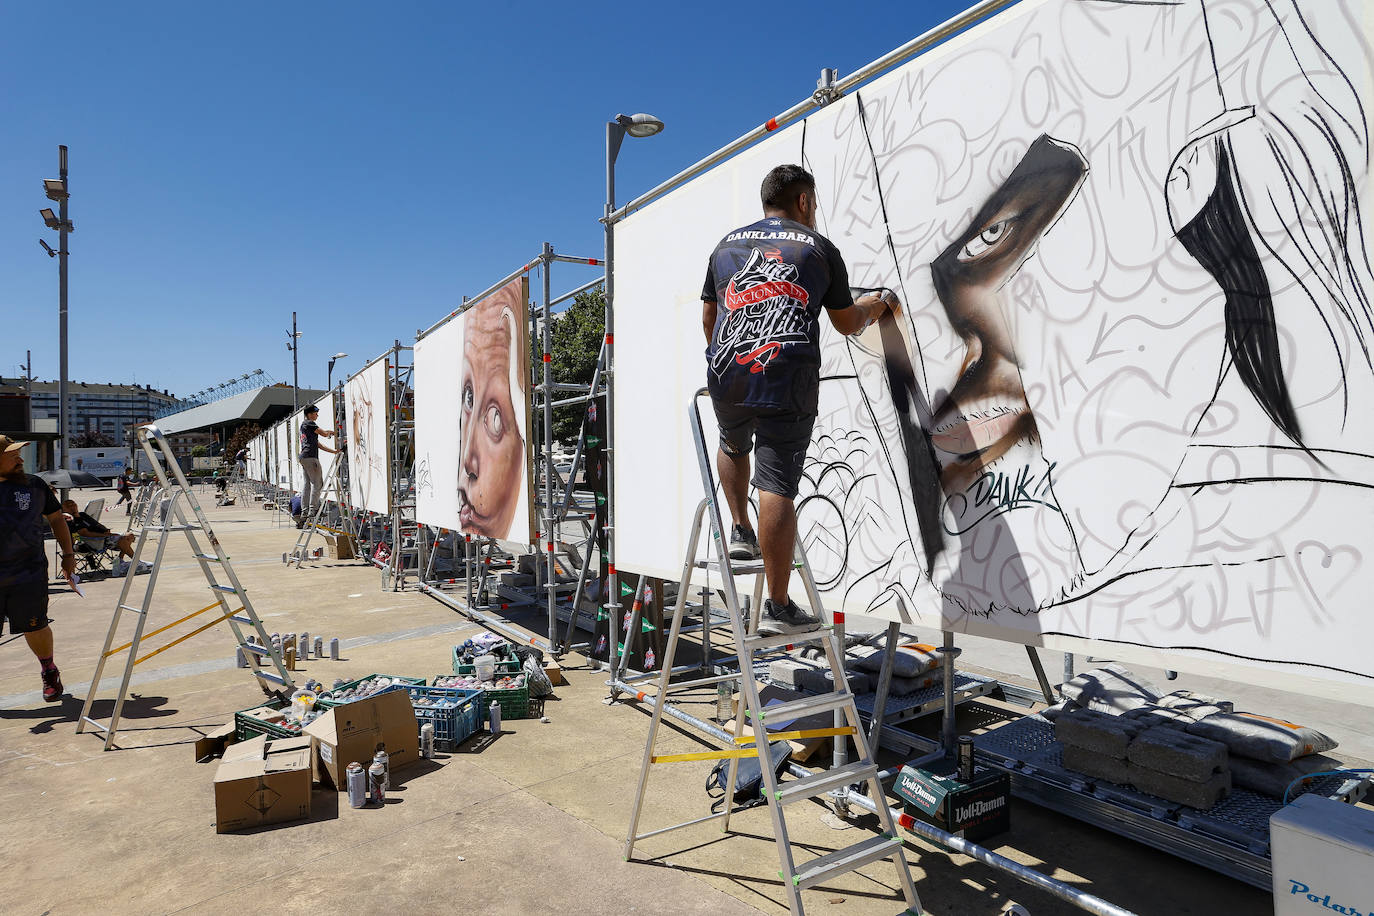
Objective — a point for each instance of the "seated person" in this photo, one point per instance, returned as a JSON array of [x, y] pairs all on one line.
[[83, 526]]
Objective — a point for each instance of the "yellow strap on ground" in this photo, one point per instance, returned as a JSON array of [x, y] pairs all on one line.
[[704, 755], [800, 735], [199, 629], [168, 627]]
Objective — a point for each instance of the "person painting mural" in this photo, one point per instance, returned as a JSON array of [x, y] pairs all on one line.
[[310, 464], [763, 368]]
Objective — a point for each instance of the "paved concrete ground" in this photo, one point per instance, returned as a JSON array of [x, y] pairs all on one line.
[[531, 822]]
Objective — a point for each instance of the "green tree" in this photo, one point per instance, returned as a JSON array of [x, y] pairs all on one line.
[[577, 334], [239, 439], [92, 439]]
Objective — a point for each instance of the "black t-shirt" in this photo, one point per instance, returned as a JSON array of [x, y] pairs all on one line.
[[23, 503], [84, 523], [770, 280], [310, 439]]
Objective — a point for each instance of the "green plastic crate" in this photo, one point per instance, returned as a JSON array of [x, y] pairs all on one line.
[[325, 701], [514, 701], [246, 726], [506, 666]]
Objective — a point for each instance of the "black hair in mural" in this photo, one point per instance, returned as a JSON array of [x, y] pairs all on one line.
[[1219, 238]]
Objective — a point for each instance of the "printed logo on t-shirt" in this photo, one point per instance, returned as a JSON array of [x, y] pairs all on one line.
[[765, 311], [22, 500]]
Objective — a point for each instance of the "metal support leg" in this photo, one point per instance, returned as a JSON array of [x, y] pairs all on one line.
[[1045, 687], [875, 728]]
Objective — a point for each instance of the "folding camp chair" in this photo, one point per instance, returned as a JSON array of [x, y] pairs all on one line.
[[96, 554]]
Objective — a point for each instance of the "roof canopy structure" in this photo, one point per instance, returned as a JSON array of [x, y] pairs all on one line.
[[261, 405]]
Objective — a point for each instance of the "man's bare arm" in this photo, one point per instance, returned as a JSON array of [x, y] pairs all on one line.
[[58, 523], [865, 310], [708, 318]]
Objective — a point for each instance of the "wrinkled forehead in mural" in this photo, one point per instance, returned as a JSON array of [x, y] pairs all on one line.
[[1124, 233]]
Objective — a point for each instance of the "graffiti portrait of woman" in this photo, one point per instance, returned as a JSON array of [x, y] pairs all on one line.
[[492, 405]]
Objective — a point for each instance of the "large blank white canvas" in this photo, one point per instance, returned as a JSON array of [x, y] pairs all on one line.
[[472, 427], [367, 409], [1121, 454]]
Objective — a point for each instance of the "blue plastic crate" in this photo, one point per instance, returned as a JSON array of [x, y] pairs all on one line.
[[456, 716]]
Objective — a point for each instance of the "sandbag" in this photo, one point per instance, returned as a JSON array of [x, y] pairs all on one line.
[[1273, 779], [1112, 689], [1260, 737], [908, 661]]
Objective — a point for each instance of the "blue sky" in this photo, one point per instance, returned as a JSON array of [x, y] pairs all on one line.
[[365, 165]]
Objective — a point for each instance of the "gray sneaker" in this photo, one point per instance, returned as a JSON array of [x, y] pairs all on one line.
[[780, 621], [744, 545]]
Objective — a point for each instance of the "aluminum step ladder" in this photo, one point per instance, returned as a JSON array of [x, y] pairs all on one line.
[[333, 489], [162, 525], [797, 876]]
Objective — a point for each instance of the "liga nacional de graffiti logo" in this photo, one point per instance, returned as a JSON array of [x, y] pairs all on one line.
[[765, 311]]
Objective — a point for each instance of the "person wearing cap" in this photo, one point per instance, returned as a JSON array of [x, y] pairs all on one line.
[[310, 463], [25, 501]]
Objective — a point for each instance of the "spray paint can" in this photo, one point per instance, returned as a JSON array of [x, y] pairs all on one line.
[[376, 783], [304, 647], [357, 785], [966, 758], [427, 740], [494, 717], [384, 759], [334, 649], [319, 647]]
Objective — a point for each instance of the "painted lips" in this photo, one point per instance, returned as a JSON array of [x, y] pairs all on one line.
[[967, 437]]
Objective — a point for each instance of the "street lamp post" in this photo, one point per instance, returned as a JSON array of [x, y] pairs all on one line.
[[329, 378], [56, 189], [637, 125], [293, 343]]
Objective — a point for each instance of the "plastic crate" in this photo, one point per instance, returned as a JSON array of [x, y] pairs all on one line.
[[246, 726], [452, 724], [326, 700], [514, 701], [503, 666]]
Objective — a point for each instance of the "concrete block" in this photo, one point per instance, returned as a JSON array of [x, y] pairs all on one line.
[[1200, 795], [821, 680], [1098, 766], [1096, 731], [1177, 753], [1155, 716], [783, 671]]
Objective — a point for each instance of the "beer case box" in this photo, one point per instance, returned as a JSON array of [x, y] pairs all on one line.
[[351, 732], [339, 547], [974, 810], [260, 782]]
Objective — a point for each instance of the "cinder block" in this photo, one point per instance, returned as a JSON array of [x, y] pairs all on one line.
[[1155, 716], [1200, 795], [1177, 753], [1098, 766], [783, 671], [821, 680], [1096, 731]]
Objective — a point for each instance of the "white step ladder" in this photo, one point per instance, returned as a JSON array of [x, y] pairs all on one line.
[[166, 516], [333, 489], [796, 876]]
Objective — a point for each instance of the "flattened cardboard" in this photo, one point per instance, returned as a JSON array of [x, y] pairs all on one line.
[[261, 783], [352, 731]]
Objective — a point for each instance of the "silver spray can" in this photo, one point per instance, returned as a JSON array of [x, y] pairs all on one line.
[[376, 783], [384, 759], [357, 786], [494, 718], [427, 740]]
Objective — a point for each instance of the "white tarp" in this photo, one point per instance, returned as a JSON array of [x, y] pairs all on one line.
[[1127, 398], [368, 408], [472, 420], [326, 422]]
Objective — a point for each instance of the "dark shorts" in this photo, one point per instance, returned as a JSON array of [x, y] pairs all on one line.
[[779, 436], [25, 606]]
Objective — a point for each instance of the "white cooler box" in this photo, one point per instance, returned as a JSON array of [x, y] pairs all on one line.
[[1323, 853]]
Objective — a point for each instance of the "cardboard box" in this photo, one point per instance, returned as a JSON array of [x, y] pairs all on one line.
[[553, 670], [975, 810], [351, 732], [339, 547], [261, 782], [215, 742], [771, 695]]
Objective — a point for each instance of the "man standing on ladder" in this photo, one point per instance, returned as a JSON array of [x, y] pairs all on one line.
[[310, 464], [24, 501], [763, 368]]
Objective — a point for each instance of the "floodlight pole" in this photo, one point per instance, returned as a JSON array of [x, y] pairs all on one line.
[[63, 415], [295, 375], [615, 133]]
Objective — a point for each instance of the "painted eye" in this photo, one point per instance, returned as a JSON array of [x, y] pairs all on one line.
[[467, 398], [988, 239], [496, 424]]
